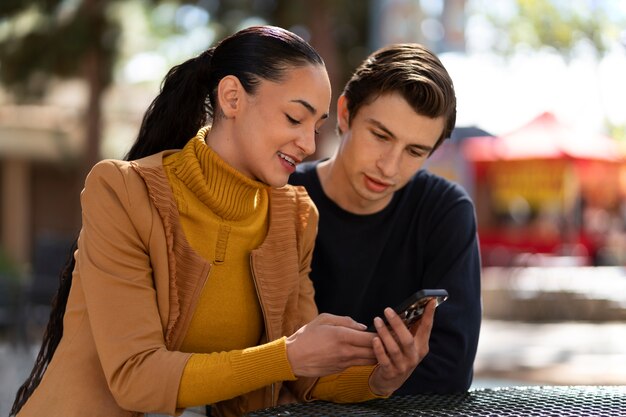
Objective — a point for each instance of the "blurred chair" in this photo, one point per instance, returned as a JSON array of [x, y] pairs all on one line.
[[9, 302], [50, 255]]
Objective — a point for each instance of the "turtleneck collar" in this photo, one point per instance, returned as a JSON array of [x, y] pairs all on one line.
[[226, 191]]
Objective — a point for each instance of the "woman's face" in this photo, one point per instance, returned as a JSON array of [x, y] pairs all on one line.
[[275, 129]]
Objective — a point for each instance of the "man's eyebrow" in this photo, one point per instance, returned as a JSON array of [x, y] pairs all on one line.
[[382, 127], [309, 107]]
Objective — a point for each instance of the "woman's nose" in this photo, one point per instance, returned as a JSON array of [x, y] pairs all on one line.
[[306, 143]]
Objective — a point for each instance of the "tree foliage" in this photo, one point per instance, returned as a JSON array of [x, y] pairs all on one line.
[[563, 26], [43, 40]]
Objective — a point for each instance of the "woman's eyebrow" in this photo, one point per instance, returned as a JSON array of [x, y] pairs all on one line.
[[309, 107]]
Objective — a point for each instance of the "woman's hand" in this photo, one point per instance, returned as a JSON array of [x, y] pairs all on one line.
[[329, 344], [399, 350]]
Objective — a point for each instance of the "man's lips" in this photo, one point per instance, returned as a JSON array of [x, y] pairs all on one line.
[[375, 185]]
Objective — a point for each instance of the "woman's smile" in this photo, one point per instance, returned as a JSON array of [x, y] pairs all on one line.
[[288, 162]]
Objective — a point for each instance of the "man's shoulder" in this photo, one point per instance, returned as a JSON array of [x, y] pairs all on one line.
[[434, 199], [430, 184]]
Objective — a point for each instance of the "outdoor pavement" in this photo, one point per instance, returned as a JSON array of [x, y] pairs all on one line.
[[553, 326], [15, 364], [566, 353]]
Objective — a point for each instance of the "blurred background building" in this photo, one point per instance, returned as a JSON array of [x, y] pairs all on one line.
[[77, 75], [539, 144]]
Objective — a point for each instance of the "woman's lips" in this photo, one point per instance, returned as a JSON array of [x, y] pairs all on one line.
[[288, 162]]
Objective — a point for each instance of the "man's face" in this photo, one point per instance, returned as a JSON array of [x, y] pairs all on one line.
[[385, 144]]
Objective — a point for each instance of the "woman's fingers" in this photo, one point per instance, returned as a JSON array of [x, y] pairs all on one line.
[[329, 344]]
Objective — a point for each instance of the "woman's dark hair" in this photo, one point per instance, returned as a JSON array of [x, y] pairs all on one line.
[[186, 103], [412, 71], [187, 99]]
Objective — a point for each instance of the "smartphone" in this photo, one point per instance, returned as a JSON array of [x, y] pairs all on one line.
[[411, 309]]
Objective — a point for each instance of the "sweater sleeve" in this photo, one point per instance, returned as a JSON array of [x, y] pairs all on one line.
[[213, 377], [349, 386]]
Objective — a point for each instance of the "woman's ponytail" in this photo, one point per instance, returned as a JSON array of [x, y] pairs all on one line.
[[182, 107]]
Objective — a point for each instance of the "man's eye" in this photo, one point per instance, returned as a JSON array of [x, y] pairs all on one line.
[[292, 120], [415, 153], [380, 136]]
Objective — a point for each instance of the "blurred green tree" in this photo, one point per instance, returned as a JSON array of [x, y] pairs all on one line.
[[45, 40], [563, 26], [567, 27]]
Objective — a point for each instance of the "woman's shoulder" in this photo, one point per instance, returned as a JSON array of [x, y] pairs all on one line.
[[128, 180], [296, 194], [129, 173], [108, 171], [115, 189], [294, 200], [112, 173]]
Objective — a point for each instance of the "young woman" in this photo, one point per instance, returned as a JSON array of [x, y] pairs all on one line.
[[189, 284]]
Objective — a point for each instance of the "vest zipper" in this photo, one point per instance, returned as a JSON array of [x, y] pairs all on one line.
[[273, 402]]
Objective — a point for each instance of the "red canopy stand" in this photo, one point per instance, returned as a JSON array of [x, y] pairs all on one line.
[[536, 189]]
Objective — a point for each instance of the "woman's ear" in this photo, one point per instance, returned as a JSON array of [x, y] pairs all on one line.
[[229, 94], [343, 114]]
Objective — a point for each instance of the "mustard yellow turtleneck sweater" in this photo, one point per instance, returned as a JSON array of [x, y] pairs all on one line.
[[224, 216]]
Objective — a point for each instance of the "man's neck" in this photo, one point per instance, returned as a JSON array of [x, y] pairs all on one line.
[[337, 187]]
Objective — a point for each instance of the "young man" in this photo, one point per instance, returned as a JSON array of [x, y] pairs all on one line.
[[387, 228]]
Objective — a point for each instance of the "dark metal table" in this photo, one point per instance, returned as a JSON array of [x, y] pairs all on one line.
[[561, 401]]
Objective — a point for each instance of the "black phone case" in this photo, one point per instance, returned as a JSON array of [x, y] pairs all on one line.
[[411, 309]]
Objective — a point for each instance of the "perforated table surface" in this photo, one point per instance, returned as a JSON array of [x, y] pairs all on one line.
[[561, 401]]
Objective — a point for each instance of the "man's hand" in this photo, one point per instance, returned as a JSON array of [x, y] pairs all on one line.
[[399, 350], [329, 344]]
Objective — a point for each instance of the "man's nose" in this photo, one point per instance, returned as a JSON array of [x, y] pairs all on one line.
[[389, 162]]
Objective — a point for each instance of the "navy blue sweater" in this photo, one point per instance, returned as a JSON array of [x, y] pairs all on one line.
[[425, 238]]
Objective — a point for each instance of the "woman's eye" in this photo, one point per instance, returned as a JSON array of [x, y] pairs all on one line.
[[292, 120]]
